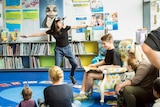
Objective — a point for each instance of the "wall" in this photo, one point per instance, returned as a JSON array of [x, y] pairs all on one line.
[[130, 18]]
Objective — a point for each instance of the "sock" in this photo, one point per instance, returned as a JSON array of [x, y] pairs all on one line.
[[82, 92]]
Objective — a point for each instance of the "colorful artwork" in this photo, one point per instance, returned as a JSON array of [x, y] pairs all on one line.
[[49, 9], [30, 3], [96, 5], [111, 21], [81, 21], [98, 21]]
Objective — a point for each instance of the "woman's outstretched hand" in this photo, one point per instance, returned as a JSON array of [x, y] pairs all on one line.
[[24, 36]]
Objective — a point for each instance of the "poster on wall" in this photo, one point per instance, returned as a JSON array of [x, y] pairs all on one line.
[[30, 4], [98, 21], [111, 21], [31, 14], [13, 26], [13, 4], [81, 9], [48, 10], [80, 1], [13, 14], [81, 21], [96, 5]]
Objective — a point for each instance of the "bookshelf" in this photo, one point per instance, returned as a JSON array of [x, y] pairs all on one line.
[[32, 56]]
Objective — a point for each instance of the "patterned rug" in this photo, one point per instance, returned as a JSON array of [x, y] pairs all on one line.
[[10, 93]]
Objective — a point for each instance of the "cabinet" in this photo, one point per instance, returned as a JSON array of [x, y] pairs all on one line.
[[40, 55]]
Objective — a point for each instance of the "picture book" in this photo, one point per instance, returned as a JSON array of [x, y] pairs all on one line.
[[88, 68]]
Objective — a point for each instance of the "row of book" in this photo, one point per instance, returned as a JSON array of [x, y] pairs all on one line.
[[78, 48], [17, 63], [66, 63], [16, 49], [36, 49], [23, 49], [11, 63], [40, 49], [35, 62]]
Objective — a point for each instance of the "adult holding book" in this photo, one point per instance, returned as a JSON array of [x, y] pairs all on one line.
[[112, 58], [62, 48]]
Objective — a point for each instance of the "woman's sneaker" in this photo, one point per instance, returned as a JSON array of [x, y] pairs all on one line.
[[80, 97]]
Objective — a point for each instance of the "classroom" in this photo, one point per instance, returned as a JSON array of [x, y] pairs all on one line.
[[95, 53]]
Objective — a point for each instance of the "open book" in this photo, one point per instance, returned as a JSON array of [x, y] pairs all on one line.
[[88, 68]]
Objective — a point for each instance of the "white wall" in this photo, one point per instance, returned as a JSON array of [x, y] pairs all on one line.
[[130, 16]]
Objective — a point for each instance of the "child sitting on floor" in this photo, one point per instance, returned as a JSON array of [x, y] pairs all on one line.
[[156, 92], [27, 101]]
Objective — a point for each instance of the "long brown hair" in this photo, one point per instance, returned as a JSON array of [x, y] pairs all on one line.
[[54, 27], [133, 62]]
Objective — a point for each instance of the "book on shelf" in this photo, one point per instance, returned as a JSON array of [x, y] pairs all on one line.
[[2, 63], [1, 50], [66, 63], [78, 48], [35, 62]]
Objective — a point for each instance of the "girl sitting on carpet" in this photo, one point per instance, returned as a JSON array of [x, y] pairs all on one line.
[[58, 94], [27, 101]]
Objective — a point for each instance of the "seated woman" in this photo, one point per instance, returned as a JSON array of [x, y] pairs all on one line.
[[112, 57], [58, 94], [137, 92], [131, 66]]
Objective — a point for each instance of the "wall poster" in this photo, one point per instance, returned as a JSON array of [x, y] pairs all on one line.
[[111, 21], [48, 10]]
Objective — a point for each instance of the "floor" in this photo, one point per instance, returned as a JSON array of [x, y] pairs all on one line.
[[11, 84]]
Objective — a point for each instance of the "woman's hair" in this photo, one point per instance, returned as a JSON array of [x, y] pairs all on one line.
[[27, 93], [54, 26], [107, 37], [156, 85], [133, 62], [55, 73], [138, 52], [131, 54]]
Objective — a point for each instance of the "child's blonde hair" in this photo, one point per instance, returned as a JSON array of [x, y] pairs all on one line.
[[27, 93], [55, 73]]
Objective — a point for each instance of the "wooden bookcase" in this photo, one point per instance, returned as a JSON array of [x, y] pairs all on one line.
[[22, 56]]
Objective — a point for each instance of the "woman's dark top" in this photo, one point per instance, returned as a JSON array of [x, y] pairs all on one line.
[[112, 57], [58, 95], [62, 37], [153, 39]]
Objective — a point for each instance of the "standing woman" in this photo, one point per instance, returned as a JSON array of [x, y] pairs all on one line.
[[62, 48]]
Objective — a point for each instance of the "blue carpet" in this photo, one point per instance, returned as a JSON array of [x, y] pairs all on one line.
[[10, 94]]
